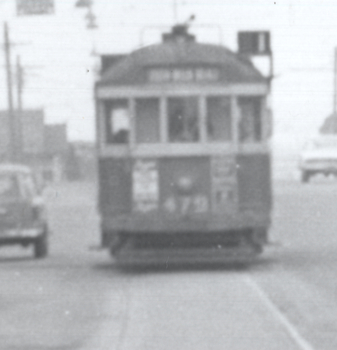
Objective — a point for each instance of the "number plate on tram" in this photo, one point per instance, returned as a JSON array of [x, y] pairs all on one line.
[[184, 205]]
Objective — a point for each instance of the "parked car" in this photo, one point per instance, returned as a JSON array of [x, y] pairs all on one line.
[[22, 211], [319, 156]]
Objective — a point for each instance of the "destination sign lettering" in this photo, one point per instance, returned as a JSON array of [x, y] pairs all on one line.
[[160, 75]]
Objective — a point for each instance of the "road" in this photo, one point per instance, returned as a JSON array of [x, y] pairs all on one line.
[[77, 299]]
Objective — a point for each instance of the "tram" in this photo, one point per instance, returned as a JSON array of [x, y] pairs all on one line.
[[183, 158]]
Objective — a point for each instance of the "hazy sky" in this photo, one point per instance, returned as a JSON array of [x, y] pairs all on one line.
[[55, 50]]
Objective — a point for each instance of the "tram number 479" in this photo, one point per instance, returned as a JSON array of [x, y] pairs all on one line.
[[183, 205]]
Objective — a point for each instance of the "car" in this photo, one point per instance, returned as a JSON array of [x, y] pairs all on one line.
[[319, 156], [23, 218]]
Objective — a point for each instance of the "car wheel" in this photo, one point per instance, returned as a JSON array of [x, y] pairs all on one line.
[[305, 177], [41, 246]]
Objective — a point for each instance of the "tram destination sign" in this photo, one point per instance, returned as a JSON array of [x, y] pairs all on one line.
[[200, 74]]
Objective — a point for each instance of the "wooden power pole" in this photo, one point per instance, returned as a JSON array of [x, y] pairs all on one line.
[[12, 120], [335, 84], [19, 78]]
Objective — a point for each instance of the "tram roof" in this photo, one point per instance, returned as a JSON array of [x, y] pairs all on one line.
[[132, 69]]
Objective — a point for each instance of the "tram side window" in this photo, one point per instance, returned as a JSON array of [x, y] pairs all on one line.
[[117, 121], [250, 125], [219, 122], [147, 120], [183, 120]]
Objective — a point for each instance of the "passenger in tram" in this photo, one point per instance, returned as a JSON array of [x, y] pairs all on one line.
[[183, 121], [119, 126], [250, 120]]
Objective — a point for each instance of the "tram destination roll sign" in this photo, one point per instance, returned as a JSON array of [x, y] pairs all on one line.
[[200, 74], [34, 7]]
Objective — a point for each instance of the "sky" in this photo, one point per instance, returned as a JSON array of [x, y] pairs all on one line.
[[56, 52]]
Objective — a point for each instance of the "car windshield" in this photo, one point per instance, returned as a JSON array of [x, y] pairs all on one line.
[[8, 186]]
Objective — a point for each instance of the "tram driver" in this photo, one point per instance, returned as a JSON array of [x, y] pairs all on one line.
[[183, 120]]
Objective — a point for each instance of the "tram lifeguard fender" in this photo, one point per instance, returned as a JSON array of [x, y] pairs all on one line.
[[132, 69]]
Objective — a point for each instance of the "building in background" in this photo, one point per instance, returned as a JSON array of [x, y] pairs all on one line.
[[41, 146], [45, 148], [81, 161], [55, 151], [4, 136]]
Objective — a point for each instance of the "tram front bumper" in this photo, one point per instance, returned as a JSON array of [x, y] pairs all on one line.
[[193, 256], [161, 224]]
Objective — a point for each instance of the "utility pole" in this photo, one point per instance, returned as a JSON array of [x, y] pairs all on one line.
[[19, 78], [12, 122], [335, 83], [18, 119]]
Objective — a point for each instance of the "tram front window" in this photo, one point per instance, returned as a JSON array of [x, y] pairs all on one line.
[[147, 120], [219, 123], [118, 121], [183, 121], [250, 125]]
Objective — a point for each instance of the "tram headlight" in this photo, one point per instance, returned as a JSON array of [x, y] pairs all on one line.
[[185, 185]]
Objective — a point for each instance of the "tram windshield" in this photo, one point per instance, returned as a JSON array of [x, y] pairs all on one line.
[[219, 121], [147, 120], [118, 121], [187, 119], [183, 119], [250, 124]]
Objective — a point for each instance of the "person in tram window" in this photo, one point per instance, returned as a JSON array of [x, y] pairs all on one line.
[[183, 121]]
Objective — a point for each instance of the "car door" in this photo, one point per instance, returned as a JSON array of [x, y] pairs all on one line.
[[11, 205]]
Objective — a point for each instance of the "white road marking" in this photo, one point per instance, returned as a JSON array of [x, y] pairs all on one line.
[[290, 328]]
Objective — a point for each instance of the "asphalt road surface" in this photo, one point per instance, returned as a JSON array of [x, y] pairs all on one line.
[[77, 299]]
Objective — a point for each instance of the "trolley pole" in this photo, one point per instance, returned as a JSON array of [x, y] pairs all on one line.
[[12, 151]]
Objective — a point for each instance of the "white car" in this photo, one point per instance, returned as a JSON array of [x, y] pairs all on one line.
[[319, 156]]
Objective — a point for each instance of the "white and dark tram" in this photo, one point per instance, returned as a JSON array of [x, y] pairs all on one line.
[[183, 157]]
